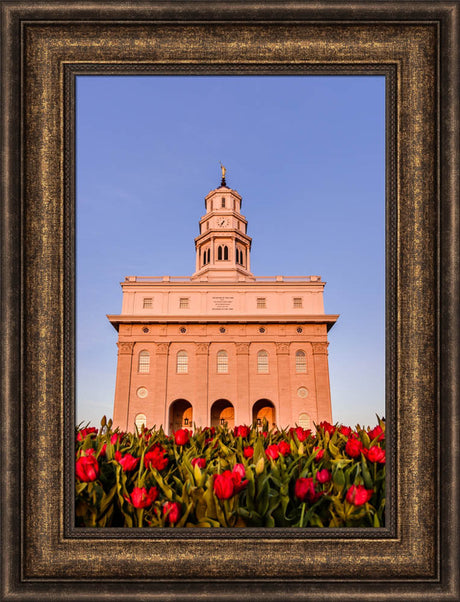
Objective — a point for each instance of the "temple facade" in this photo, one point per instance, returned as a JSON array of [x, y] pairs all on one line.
[[222, 346]]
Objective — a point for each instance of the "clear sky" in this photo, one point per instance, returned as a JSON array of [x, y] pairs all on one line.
[[306, 153]]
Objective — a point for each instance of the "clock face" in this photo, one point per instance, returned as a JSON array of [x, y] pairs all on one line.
[[222, 221]]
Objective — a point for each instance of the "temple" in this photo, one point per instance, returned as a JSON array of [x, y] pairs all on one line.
[[222, 346]]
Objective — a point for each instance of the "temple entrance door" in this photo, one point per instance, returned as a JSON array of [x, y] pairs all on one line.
[[264, 409], [180, 415], [222, 413]]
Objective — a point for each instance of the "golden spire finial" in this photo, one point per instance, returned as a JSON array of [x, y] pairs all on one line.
[[224, 171]]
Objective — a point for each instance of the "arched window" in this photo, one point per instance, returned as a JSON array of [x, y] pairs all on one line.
[[219, 253], [209, 255], [223, 202], [237, 261], [241, 257], [144, 362], [222, 362], [182, 362], [300, 361], [225, 252], [140, 421], [262, 362]]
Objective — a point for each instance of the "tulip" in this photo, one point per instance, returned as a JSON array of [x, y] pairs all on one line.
[[353, 447], [127, 462], [248, 452], [376, 432], [241, 431], [320, 453], [224, 485], [200, 462], [323, 476], [141, 498], [181, 436], [375, 454], [358, 495], [304, 489], [327, 427], [346, 430], [87, 468], [272, 451], [85, 432], [171, 511], [238, 474], [155, 458], [284, 448]]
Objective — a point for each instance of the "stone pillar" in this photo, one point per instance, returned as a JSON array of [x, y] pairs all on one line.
[[201, 410], [284, 410], [243, 410], [123, 385], [160, 409], [323, 390]]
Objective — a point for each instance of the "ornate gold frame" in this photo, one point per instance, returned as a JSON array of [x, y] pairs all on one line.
[[44, 46]]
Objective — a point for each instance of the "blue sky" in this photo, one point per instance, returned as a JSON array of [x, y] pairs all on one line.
[[307, 154]]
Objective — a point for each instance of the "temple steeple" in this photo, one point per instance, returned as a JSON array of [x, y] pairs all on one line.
[[223, 247]]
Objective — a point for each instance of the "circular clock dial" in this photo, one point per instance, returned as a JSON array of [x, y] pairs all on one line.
[[222, 222]]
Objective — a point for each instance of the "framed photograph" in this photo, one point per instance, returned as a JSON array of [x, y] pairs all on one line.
[[46, 49]]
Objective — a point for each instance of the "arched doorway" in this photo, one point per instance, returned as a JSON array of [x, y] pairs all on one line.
[[223, 413], [180, 415], [264, 408]]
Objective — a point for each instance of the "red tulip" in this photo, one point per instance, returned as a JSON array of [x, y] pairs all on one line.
[[171, 510], [223, 485], [272, 451], [181, 436], [156, 458], [241, 431], [327, 427], [345, 430], [284, 448], [358, 495], [141, 498], [320, 453], [127, 462], [375, 454], [301, 433], [200, 462], [85, 432], [376, 432], [323, 476], [248, 452], [304, 489], [87, 468], [353, 447]]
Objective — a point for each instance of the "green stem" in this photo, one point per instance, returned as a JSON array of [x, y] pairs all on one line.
[[140, 516], [302, 514]]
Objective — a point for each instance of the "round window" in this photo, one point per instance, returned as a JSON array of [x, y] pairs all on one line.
[[182, 330], [145, 329], [262, 330], [300, 329], [222, 329], [142, 392], [302, 392]]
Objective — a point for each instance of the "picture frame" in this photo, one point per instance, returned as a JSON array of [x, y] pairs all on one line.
[[44, 46]]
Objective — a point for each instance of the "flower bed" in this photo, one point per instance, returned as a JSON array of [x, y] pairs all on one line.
[[245, 477]]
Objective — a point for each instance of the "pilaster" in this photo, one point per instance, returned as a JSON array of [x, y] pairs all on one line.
[[243, 410], [323, 390], [123, 385], [284, 414]]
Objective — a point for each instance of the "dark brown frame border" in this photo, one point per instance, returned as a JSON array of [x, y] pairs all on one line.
[[417, 555]]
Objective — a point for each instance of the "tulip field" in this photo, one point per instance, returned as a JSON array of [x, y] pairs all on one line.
[[249, 476]]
